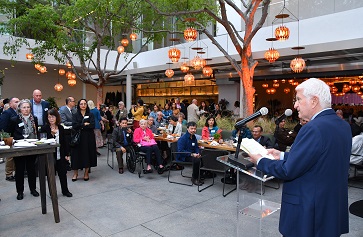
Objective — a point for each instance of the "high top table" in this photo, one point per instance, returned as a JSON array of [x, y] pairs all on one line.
[[45, 162]]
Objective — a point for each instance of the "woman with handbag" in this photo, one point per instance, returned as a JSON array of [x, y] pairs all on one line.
[[83, 155], [144, 137], [55, 130]]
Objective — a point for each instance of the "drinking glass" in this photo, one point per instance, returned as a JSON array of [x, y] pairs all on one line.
[[43, 136], [25, 133]]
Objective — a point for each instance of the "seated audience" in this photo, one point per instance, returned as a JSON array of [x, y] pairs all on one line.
[[210, 129], [264, 141], [174, 127], [246, 132], [154, 112], [122, 141], [150, 124], [181, 119], [356, 156], [159, 121], [144, 137], [356, 126], [298, 126], [188, 143], [283, 136], [167, 112]]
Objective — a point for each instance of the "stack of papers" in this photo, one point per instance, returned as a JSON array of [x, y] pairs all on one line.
[[23, 144], [250, 146]]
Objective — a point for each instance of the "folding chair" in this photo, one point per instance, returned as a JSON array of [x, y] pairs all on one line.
[[210, 163], [173, 161], [110, 149]]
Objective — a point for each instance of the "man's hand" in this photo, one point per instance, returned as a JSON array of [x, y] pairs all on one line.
[[254, 157], [275, 153]]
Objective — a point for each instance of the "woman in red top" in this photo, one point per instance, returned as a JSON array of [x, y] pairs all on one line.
[[144, 137]]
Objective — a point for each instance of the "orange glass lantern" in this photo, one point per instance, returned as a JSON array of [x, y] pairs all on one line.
[[282, 33], [29, 56], [72, 82], [124, 42], [207, 71], [61, 71], [198, 62], [133, 36], [189, 77], [120, 49], [169, 73], [297, 65], [287, 90], [184, 67], [174, 54], [58, 87], [37, 66], [190, 34], [43, 69], [68, 65], [271, 55], [265, 85]]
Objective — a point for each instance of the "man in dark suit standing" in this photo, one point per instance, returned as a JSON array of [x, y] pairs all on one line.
[[315, 171], [39, 107], [4, 122], [66, 112]]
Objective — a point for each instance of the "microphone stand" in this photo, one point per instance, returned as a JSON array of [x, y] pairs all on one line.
[[240, 136]]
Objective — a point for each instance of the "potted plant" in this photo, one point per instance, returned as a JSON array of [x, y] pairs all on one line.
[[216, 136], [6, 137]]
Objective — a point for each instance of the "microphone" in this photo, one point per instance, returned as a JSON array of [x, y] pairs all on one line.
[[261, 112], [288, 112]]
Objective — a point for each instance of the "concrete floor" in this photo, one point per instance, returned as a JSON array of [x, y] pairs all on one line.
[[110, 204]]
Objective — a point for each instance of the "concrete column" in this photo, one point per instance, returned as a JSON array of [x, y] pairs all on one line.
[[84, 91], [128, 91]]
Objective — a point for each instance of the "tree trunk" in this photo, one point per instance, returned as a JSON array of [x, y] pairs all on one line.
[[246, 76], [99, 95]]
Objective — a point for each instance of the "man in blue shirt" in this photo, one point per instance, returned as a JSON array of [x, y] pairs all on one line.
[[188, 143]]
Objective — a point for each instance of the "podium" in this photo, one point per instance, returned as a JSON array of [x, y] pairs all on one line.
[[253, 211]]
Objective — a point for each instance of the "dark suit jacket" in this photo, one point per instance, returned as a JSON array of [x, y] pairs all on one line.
[[266, 142], [118, 137], [63, 148], [315, 173], [5, 119], [45, 107], [17, 131], [66, 115]]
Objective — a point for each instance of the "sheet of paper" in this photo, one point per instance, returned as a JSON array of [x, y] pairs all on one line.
[[253, 147]]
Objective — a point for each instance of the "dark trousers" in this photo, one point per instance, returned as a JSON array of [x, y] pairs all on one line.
[[61, 169], [196, 164], [20, 164], [149, 150]]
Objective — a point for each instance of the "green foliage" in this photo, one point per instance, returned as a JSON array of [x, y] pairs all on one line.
[[216, 136], [4, 134], [52, 102]]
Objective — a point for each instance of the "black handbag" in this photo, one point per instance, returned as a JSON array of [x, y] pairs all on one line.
[[75, 137]]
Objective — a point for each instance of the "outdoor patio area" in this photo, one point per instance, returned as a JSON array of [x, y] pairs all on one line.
[[111, 204]]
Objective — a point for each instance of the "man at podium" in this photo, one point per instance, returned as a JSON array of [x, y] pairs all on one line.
[[315, 171]]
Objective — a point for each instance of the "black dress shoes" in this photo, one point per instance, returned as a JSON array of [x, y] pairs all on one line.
[[34, 193], [10, 178], [67, 194], [197, 182], [160, 170], [20, 196]]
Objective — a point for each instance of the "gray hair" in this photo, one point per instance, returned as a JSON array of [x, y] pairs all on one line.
[[143, 121], [91, 104], [24, 101], [315, 87], [121, 103]]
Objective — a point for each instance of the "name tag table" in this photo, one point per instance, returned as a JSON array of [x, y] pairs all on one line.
[[46, 161], [251, 209]]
